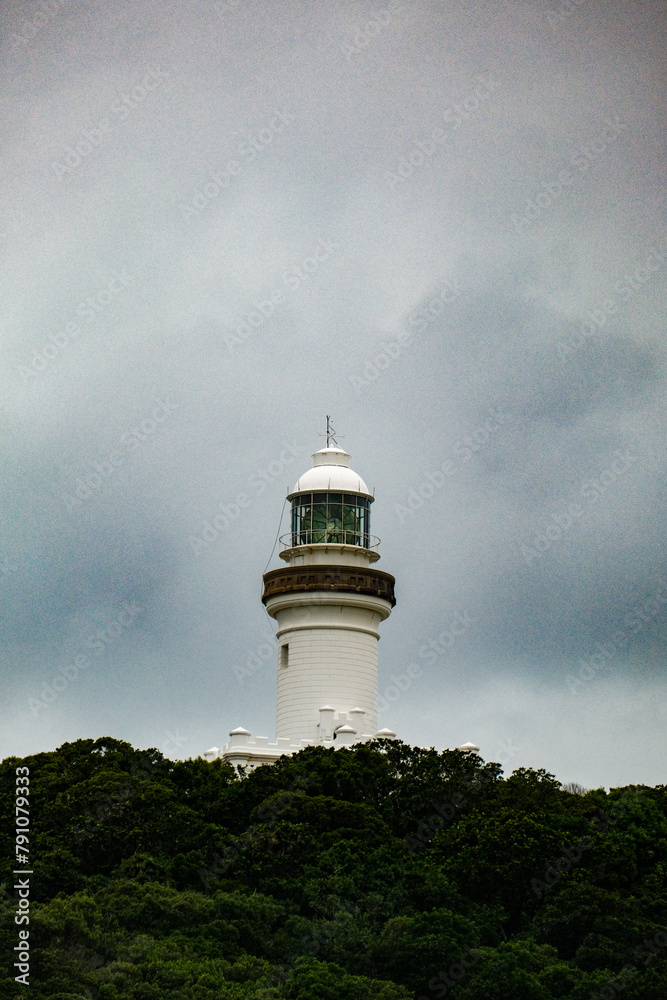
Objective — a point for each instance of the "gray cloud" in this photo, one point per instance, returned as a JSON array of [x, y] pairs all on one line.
[[204, 155]]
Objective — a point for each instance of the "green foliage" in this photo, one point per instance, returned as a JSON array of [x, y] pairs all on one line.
[[380, 871], [313, 980]]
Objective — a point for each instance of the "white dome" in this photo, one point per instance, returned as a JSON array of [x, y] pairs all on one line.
[[331, 471]]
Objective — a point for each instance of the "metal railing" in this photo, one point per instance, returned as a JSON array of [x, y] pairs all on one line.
[[321, 536]]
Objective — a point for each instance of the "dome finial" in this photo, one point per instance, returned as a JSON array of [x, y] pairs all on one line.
[[330, 434]]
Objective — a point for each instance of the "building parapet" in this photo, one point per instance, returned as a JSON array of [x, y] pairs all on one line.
[[335, 730]]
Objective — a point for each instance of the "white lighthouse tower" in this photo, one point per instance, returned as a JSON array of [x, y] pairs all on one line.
[[328, 601]]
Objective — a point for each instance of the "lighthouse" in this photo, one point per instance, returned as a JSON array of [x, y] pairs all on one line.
[[328, 600]]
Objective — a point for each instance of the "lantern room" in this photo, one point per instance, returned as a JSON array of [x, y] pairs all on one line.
[[331, 504]]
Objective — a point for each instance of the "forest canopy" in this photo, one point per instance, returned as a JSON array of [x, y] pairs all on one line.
[[377, 871]]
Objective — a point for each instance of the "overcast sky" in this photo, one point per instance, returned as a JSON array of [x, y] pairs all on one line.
[[443, 224]]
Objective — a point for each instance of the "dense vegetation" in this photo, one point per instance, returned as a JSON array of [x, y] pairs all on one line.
[[377, 872]]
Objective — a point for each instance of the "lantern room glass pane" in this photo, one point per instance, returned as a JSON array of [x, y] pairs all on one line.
[[301, 517], [335, 518], [351, 518], [319, 523]]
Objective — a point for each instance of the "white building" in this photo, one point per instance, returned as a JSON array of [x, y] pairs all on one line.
[[328, 602]]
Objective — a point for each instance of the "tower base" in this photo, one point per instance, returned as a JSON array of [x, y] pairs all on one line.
[[242, 751]]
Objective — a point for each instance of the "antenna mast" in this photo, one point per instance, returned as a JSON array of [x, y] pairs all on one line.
[[330, 434]]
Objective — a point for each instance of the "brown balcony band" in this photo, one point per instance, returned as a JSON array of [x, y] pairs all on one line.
[[350, 579]]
